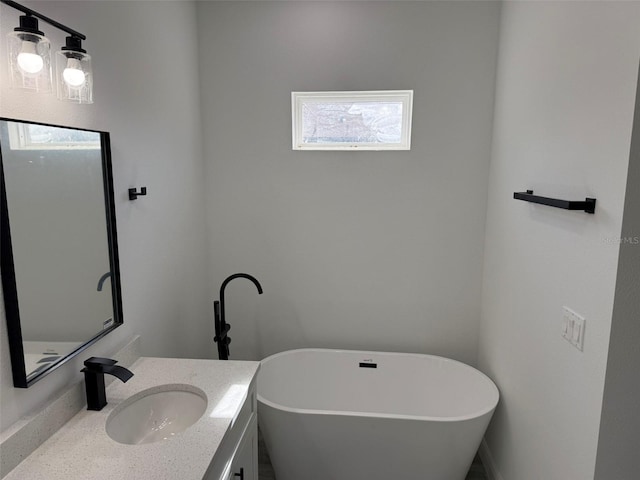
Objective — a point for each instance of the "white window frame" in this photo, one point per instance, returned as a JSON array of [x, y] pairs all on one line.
[[298, 99]]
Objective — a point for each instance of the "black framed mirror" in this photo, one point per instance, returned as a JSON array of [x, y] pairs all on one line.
[[59, 249]]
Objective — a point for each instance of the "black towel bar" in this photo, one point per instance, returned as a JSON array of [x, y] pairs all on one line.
[[589, 205]]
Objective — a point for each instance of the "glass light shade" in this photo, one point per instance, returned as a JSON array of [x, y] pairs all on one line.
[[75, 78], [29, 61]]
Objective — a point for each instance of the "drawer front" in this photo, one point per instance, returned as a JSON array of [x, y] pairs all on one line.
[[244, 465]]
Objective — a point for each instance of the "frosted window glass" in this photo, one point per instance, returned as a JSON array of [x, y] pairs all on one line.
[[351, 120], [24, 136]]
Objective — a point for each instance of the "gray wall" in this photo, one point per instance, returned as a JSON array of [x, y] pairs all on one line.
[[364, 250], [143, 97], [619, 443], [565, 94]]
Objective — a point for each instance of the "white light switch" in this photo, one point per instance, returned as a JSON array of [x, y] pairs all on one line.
[[573, 327]]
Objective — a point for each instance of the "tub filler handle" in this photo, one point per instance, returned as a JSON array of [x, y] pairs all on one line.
[[221, 331]]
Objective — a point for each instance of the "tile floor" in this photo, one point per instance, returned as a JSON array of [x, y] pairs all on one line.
[[265, 470]]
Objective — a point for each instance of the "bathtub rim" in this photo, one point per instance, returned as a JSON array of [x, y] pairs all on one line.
[[307, 411]]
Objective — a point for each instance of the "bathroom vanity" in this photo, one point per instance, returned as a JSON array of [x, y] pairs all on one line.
[[221, 444], [175, 418]]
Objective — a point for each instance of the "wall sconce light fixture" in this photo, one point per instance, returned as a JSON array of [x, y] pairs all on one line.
[[30, 59]]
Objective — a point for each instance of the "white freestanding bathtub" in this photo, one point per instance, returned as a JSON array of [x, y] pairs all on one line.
[[350, 415]]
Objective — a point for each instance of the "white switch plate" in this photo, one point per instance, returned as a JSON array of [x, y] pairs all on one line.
[[573, 327]]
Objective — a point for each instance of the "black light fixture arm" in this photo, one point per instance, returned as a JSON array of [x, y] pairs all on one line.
[[44, 18]]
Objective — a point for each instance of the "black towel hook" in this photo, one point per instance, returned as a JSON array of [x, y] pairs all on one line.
[[133, 194]]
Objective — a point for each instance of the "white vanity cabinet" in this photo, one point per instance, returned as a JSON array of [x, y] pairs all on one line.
[[237, 456]]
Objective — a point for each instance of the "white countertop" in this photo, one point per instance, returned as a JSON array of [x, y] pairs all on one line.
[[82, 450]]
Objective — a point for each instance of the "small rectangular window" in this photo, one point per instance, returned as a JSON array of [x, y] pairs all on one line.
[[379, 120], [28, 136]]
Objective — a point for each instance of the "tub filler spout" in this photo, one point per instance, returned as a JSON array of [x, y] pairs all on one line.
[[221, 326]]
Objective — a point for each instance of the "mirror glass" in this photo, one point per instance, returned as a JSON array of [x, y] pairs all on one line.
[[59, 248]]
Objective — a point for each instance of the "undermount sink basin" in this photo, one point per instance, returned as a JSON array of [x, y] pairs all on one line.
[[156, 414]]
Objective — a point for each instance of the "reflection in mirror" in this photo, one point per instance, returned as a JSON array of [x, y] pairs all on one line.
[[59, 252]]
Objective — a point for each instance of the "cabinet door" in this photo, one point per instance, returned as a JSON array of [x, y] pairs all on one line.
[[245, 461]]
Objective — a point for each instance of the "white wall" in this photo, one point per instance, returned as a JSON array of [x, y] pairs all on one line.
[[618, 442], [566, 82], [150, 106], [364, 250]]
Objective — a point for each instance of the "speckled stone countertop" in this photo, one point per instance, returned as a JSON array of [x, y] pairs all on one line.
[[81, 449]]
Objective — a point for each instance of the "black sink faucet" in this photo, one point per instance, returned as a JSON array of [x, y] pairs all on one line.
[[94, 370], [221, 326]]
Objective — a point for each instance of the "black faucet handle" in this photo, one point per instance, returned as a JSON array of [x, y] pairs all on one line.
[[223, 333], [99, 362]]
